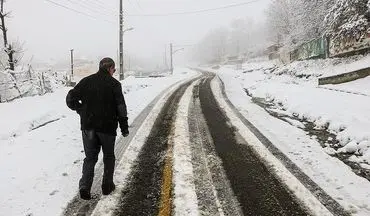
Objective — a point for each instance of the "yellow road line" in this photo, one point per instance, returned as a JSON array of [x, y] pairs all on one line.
[[166, 201]]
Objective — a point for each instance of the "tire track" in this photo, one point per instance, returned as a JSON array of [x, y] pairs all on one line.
[[142, 194], [259, 192], [215, 196]]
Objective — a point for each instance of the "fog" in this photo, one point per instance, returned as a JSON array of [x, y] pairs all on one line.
[[49, 31]]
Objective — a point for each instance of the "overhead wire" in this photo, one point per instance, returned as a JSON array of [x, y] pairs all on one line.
[[90, 8], [101, 3], [102, 6], [78, 12], [137, 4], [196, 11]]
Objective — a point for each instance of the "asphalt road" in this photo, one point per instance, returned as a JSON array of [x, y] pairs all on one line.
[[229, 176]]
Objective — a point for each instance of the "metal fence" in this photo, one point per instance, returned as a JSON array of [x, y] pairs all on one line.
[[330, 47], [316, 48]]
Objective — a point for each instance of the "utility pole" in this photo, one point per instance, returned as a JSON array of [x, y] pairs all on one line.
[[237, 47], [129, 63], [171, 58], [165, 57], [71, 65], [121, 75]]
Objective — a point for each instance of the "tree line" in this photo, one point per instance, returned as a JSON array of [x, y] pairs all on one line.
[[287, 24]]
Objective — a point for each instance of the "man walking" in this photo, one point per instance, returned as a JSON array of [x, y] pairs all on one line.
[[99, 101]]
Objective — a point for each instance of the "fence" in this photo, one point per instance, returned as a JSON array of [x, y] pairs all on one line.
[[316, 48], [19, 84], [330, 47]]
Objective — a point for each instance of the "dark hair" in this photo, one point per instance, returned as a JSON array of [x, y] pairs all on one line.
[[106, 63]]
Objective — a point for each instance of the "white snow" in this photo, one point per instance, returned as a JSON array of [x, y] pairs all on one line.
[[345, 114], [360, 86], [185, 198], [40, 168], [324, 67]]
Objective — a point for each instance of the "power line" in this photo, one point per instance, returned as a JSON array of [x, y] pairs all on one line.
[[92, 8], [103, 5], [88, 7], [76, 11], [137, 4], [129, 1], [101, 8], [197, 11]]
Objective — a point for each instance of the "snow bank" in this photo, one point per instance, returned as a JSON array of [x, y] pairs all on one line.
[[344, 114], [343, 108], [331, 174], [325, 67]]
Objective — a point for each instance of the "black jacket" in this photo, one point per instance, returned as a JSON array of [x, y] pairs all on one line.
[[99, 101]]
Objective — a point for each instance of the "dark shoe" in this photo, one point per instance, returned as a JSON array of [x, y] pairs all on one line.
[[108, 188], [85, 194]]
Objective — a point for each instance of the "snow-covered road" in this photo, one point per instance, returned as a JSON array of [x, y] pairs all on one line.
[[41, 152], [345, 115]]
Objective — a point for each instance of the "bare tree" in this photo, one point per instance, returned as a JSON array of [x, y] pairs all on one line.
[[8, 48]]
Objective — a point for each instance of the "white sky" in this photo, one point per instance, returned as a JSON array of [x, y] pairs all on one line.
[[49, 31]]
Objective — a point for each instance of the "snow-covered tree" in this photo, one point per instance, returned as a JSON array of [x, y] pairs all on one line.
[[8, 47], [282, 21], [293, 22], [348, 18], [314, 13], [243, 37]]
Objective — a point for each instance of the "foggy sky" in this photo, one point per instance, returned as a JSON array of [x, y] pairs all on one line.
[[49, 31]]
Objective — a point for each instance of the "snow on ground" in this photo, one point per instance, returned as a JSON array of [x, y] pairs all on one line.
[[345, 114], [325, 67], [361, 86], [185, 199], [40, 164]]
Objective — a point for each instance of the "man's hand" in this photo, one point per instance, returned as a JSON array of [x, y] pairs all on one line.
[[125, 133]]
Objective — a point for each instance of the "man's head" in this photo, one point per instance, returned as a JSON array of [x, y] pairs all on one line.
[[107, 64]]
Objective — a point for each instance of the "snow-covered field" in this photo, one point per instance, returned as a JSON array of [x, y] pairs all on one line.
[[344, 114], [40, 146]]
